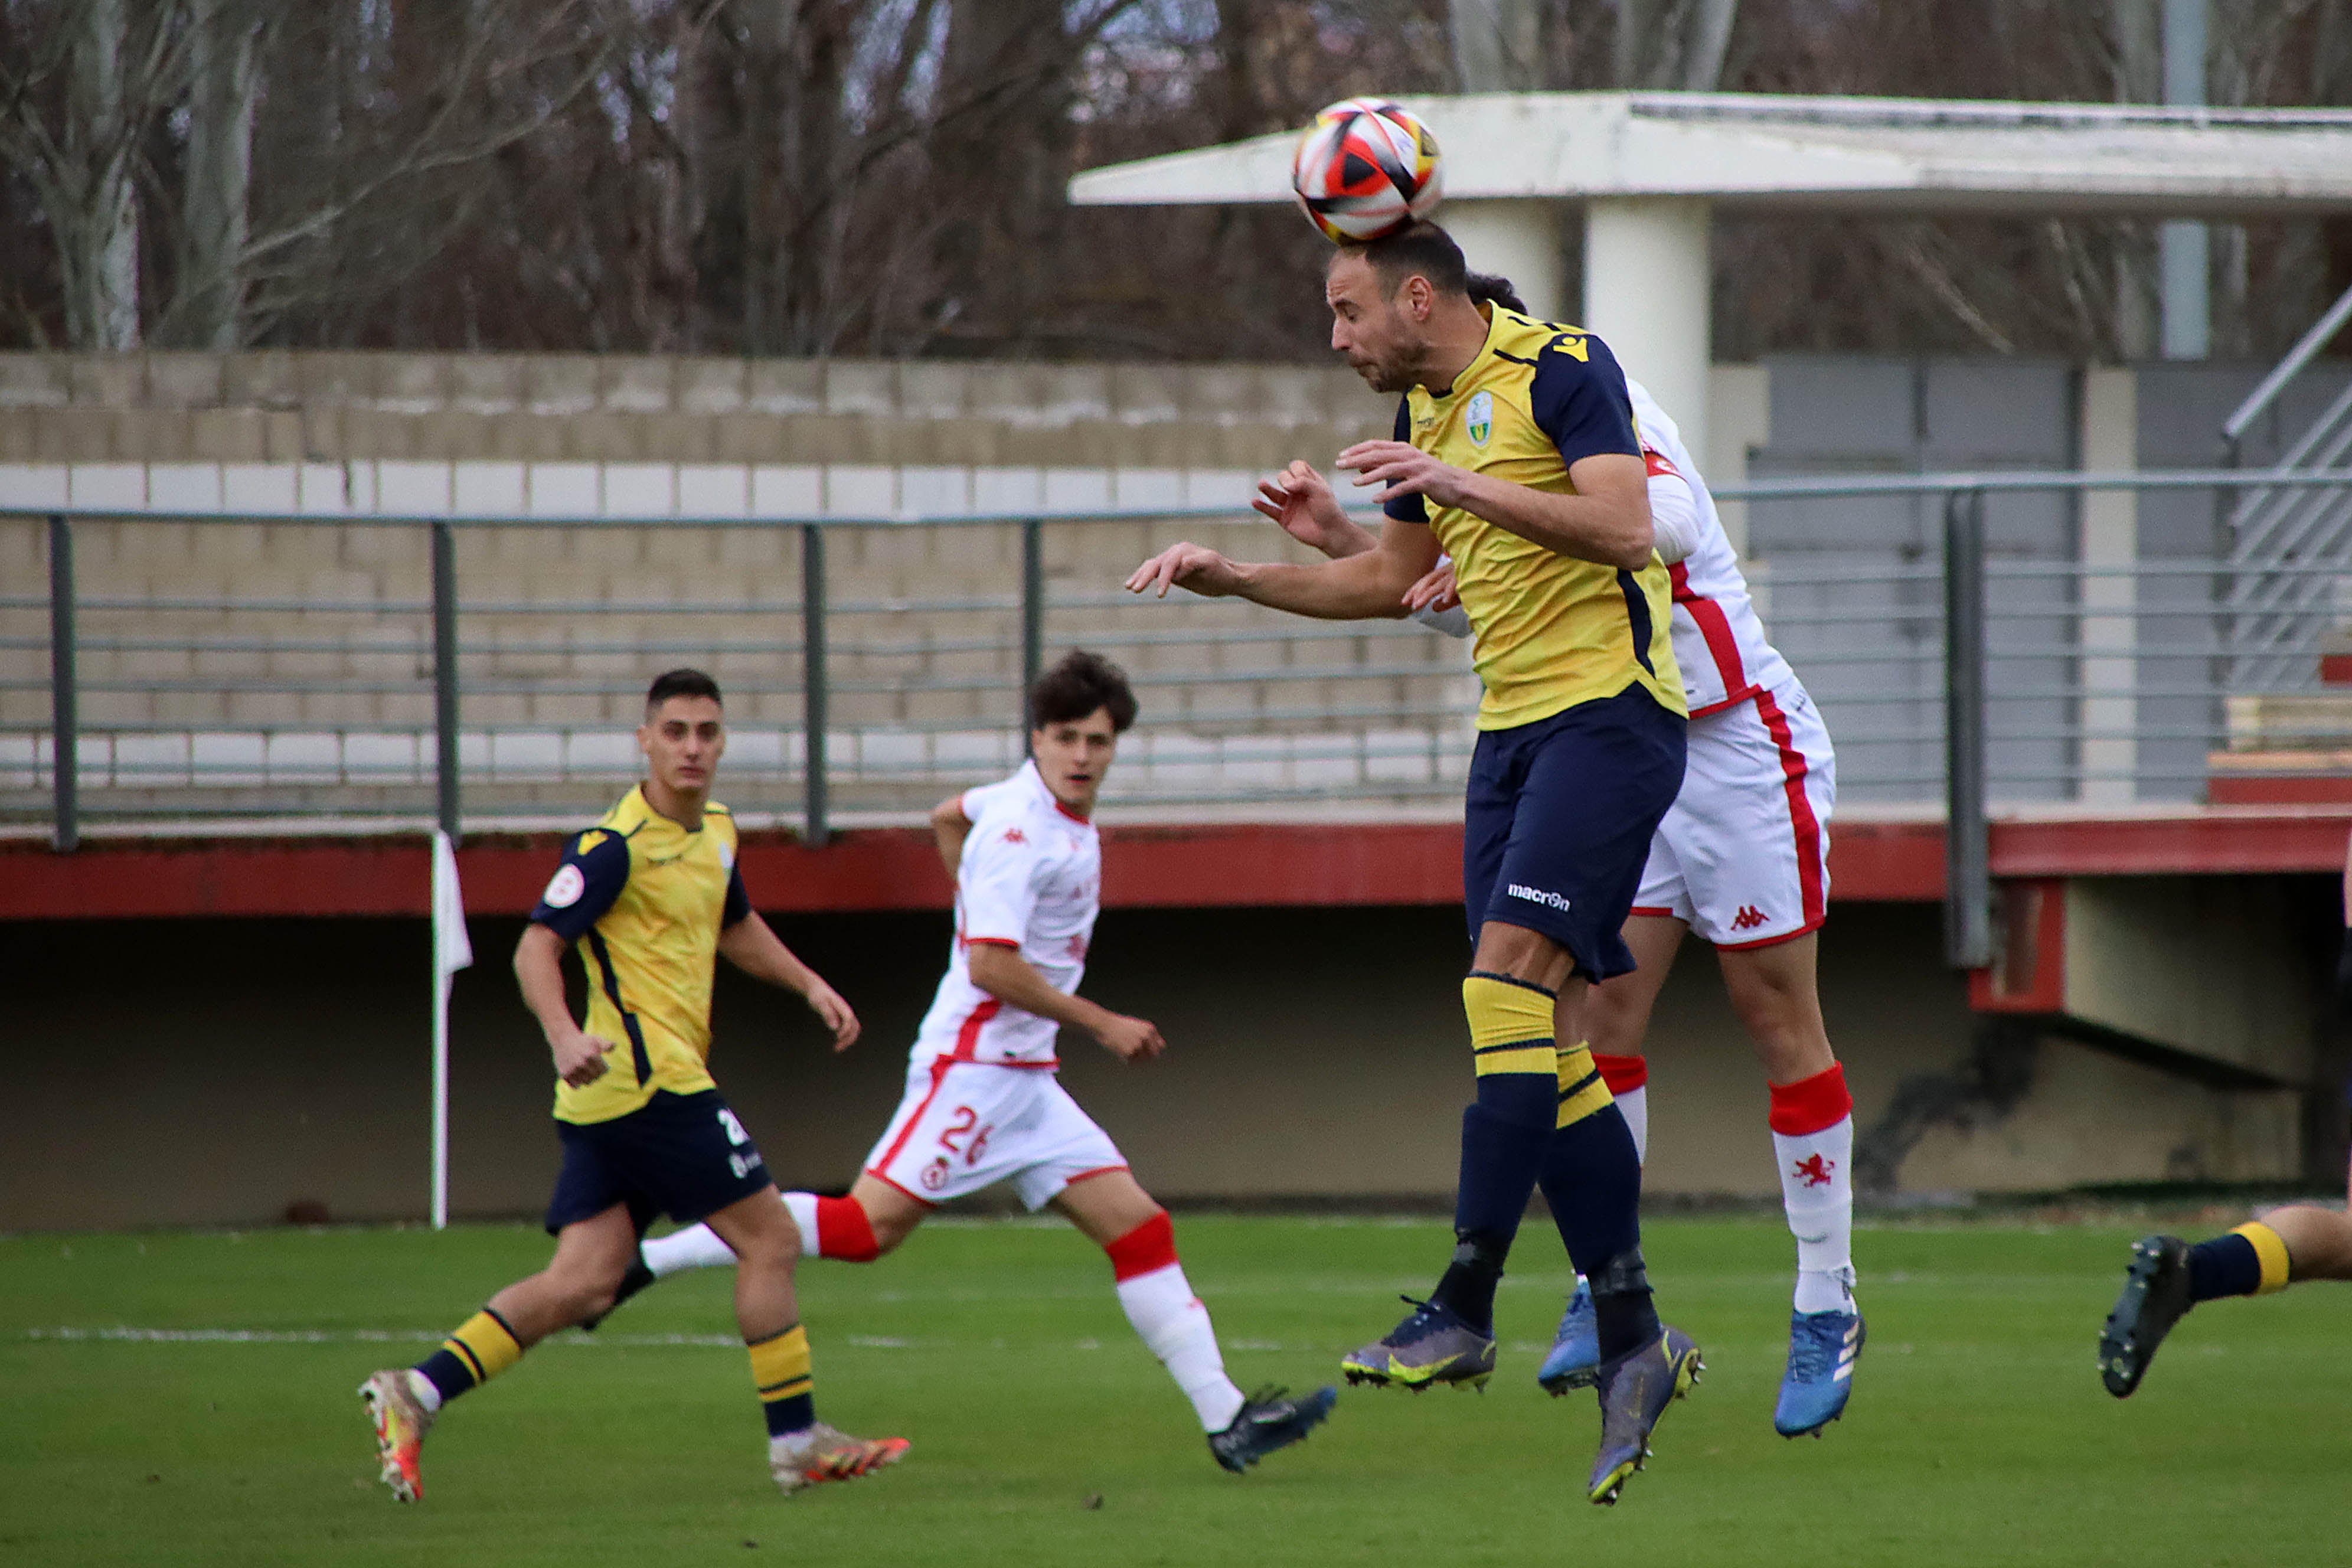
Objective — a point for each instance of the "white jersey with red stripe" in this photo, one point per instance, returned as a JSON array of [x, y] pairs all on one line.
[[1719, 641], [1031, 880]]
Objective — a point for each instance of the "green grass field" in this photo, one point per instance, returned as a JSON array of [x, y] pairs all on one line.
[[1045, 1434]]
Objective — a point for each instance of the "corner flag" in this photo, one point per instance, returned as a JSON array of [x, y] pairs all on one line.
[[452, 951]]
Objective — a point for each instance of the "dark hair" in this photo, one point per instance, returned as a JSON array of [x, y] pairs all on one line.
[[1490, 288], [681, 683], [1079, 685], [1420, 250]]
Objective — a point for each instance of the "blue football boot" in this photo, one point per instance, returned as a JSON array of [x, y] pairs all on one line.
[[1823, 1348], [1575, 1358]]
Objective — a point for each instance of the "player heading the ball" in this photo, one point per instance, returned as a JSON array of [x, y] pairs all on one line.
[[1514, 454]]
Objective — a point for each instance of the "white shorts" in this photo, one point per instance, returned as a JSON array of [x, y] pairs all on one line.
[[1743, 854], [967, 1125]]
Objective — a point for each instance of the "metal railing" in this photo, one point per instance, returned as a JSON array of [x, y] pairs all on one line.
[[1963, 651], [888, 691]]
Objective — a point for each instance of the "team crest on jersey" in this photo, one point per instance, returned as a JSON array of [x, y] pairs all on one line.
[[1480, 422], [565, 890]]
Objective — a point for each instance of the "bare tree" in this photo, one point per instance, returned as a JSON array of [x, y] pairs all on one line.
[[1674, 43], [72, 117], [223, 88]]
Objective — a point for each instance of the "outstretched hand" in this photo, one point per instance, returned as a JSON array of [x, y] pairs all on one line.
[[1300, 502], [1435, 591], [1185, 565], [1404, 471]]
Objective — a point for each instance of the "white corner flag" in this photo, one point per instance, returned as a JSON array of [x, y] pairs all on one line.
[[452, 951]]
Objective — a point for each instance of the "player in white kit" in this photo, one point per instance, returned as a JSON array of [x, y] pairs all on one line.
[[1741, 858], [982, 1103]]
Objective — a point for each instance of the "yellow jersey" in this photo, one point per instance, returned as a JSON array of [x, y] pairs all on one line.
[[646, 898], [1552, 631]]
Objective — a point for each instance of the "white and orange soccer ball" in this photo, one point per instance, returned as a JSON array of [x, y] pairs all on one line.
[[1366, 168]]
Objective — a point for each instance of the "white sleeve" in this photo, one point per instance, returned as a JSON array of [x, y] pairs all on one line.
[[996, 887], [1453, 622], [1673, 511]]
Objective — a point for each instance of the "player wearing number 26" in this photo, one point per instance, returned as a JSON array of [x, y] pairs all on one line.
[[653, 897], [983, 1104]]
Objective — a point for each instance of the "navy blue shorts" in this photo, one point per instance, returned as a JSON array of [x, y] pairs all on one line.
[[683, 1156], [1557, 822]]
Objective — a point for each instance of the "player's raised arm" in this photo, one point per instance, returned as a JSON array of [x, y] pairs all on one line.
[[1301, 504], [1369, 586], [1606, 521]]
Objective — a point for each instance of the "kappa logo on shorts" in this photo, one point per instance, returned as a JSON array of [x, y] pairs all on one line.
[[1538, 896], [1748, 918]]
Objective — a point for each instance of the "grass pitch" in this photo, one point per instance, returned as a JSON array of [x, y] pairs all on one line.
[[1045, 1434]]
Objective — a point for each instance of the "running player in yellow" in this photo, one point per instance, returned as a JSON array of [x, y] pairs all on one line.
[[2167, 1276], [654, 892], [1514, 453]]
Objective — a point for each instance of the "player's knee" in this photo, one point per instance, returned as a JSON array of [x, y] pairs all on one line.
[[770, 1247], [890, 1230], [1520, 953]]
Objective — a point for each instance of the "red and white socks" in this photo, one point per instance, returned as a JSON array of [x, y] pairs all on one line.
[[1812, 1138], [1171, 1321], [1628, 1079], [832, 1227], [1812, 1135], [829, 1227]]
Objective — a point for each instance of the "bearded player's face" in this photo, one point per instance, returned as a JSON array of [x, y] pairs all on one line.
[[1376, 331]]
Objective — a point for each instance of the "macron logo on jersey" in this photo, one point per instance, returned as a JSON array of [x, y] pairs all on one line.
[[1538, 896]]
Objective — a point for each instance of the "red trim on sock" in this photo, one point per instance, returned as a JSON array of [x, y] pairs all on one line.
[[1623, 1074], [1148, 1248], [842, 1231], [1811, 1104]]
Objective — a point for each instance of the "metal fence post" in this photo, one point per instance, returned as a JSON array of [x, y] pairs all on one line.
[[1032, 618], [1967, 850], [65, 722], [814, 692], [445, 674]]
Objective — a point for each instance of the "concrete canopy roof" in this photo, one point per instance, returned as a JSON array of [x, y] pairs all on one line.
[[1893, 155]]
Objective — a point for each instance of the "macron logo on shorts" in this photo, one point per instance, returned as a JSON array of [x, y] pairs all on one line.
[[1538, 896]]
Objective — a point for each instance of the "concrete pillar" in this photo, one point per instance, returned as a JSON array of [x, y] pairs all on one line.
[[2110, 631], [1647, 290], [1740, 419], [2184, 248], [1520, 238]]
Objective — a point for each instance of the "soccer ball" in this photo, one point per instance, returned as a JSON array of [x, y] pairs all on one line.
[[1366, 168]]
